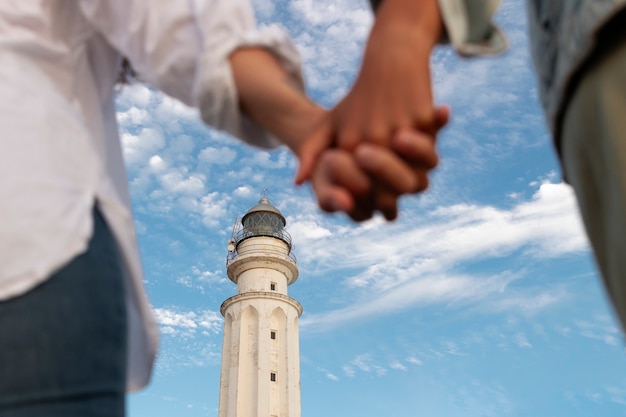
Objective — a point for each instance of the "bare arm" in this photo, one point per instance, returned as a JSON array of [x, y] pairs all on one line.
[[267, 96], [270, 98], [392, 95]]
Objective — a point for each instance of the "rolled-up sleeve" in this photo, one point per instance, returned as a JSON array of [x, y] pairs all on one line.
[[470, 28], [182, 48], [225, 26]]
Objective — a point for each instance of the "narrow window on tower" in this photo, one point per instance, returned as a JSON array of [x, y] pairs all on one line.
[[273, 377], [272, 335], [273, 286]]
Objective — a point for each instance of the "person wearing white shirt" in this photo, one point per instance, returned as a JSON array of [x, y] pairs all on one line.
[[75, 323]]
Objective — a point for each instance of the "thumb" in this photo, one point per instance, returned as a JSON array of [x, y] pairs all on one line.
[[310, 150]]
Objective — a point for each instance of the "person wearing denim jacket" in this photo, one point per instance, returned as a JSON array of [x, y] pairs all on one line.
[[579, 52]]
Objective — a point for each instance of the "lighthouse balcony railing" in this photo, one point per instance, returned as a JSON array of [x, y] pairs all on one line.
[[261, 294], [248, 232]]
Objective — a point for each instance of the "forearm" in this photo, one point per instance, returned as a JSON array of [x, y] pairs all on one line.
[[269, 97], [421, 18], [393, 89]]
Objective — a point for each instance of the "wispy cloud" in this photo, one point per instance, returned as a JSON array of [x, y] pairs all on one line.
[[403, 267], [397, 365], [602, 329], [363, 363], [522, 341], [414, 361], [188, 324], [332, 377]]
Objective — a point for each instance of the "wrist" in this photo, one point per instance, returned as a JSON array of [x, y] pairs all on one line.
[[420, 19], [298, 123]]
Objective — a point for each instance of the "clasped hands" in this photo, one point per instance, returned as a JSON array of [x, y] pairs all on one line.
[[378, 143], [360, 173]]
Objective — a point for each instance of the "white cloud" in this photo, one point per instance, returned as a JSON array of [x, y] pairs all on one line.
[[243, 192], [177, 181], [413, 360], [157, 163], [134, 116], [414, 293], [171, 110], [213, 209], [548, 225], [397, 366], [187, 323], [219, 156], [139, 148], [332, 376], [601, 328], [400, 266], [202, 280], [617, 394], [136, 94], [452, 348], [364, 363], [522, 341], [185, 280], [308, 229], [528, 303]]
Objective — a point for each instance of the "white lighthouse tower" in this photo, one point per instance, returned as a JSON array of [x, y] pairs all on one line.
[[260, 354]]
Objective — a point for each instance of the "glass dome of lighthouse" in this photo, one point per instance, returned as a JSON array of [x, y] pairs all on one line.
[[263, 219]]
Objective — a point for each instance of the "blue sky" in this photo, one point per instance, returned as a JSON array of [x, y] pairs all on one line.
[[482, 299]]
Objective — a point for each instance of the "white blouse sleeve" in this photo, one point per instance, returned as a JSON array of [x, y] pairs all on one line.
[[182, 47], [470, 28]]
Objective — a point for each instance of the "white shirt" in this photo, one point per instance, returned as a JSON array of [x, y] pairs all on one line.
[[60, 151]]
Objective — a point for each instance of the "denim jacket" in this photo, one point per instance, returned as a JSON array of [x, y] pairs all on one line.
[[562, 36]]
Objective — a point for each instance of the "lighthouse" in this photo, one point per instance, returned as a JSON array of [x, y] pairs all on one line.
[[260, 373]]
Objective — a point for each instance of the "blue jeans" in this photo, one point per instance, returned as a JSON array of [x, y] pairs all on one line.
[[63, 344]]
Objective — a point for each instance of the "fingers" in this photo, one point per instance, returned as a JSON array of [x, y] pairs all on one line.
[[338, 182], [416, 148], [379, 199], [401, 170], [389, 169], [371, 177], [363, 210], [386, 202]]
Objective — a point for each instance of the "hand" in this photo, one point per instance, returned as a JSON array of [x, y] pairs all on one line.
[[393, 89], [287, 113], [374, 177], [412, 146], [392, 94]]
